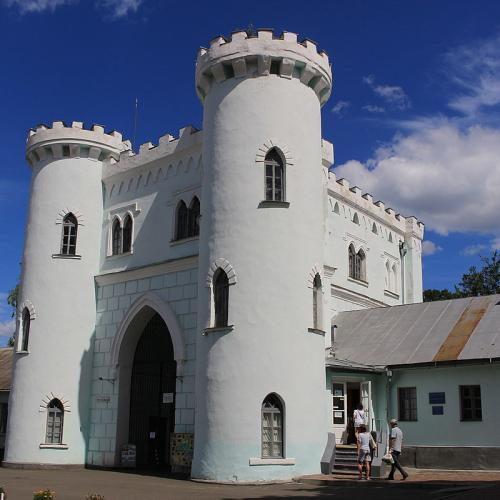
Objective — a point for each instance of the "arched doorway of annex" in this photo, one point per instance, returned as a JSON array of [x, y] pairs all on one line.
[[148, 355]]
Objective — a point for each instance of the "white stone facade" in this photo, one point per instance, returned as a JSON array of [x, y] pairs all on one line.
[[89, 309]]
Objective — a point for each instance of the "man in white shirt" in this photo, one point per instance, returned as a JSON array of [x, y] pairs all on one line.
[[395, 444]]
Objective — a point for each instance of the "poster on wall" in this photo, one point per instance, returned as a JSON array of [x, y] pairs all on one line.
[[181, 448]]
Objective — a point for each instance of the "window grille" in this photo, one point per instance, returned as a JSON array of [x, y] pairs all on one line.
[[26, 319], [69, 232], [181, 230], [194, 217], [117, 238], [407, 397], [55, 418], [272, 427], [127, 234], [275, 176], [470, 403], [221, 298]]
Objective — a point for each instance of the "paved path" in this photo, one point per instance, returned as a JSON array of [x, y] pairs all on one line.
[[114, 485]]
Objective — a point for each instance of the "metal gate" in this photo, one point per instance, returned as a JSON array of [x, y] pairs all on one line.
[[153, 380]]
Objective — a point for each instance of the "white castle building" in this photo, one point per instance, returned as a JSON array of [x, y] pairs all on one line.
[[181, 293]]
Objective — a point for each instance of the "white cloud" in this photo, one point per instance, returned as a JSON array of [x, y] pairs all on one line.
[[446, 177], [473, 249], [430, 248], [393, 95], [340, 108], [476, 73], [26, 6], [121, 8], [117, 8], [372, 108]]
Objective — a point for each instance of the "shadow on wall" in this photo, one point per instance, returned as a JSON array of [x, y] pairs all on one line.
[[84, 393]]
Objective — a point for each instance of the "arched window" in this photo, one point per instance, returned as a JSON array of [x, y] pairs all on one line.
[[116, 237], [352, 262], [69, 232], [387, 276], [336, 208], [390, 237], [127, 234], [55, 419], [355, 218], [374, 228], [221, 298], [181, 221], [357, 264], [317, 302], [272, 427], [26, 324], [194, 217], [394, 278], [275, 176]]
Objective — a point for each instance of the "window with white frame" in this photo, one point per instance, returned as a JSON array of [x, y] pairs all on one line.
[[194, 218], [272, 427], [116, 237], [55, 421], [69, 234], [317, 303], [25, 329], [221, 298], [357, 264], [274, 176], [127, 234]]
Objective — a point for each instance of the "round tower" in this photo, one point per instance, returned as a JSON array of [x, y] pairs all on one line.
[[48, 408], [260, 388]]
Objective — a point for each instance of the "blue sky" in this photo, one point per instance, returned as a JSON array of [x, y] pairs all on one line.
[[414, 115]]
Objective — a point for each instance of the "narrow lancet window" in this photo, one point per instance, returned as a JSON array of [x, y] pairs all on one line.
[[69, 233], [221, 298], [55, 420], [272, 427], [116, 237], [181, 228], [127, 234], [194, 217], [26, 325], [275, 176]]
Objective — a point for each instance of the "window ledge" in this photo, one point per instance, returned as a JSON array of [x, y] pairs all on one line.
[[63, 256], [271, 461], [317, 331], [273, 204], [22, 352], [183, 240], [44, 446], [118, 255], [359, 282], [221, 329], [391, 294]]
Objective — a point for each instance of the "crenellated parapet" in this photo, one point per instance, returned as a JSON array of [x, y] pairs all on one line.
[[189, 138], [75, 141], [342, 190], [247, 55]]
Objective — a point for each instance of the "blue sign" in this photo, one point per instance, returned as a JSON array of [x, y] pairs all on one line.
[[437, 410], [437, 398]]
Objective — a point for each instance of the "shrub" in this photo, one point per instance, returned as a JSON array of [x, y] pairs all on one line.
[[44, 495]]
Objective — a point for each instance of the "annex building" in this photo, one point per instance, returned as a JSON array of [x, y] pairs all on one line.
[[181, 298]]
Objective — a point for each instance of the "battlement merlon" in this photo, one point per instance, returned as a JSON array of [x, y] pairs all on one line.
[[342, 190], [248, 55], [60, 141]]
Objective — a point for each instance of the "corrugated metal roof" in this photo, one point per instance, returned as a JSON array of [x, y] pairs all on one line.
[[6, 354], [445, 330]]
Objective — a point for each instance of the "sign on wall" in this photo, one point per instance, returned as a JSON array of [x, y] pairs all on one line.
[[437, 398], [181, 448]]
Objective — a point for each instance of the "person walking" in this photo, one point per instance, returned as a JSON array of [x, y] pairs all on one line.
[[365, 444], [395, 444], [358, 418]]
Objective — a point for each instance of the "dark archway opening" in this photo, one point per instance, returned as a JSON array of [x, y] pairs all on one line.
[[152, 393]]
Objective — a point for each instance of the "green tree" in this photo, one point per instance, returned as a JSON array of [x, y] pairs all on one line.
[[485, 281], [12, 301], [431, 294]]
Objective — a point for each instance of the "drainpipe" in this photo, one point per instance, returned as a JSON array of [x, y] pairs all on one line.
[[388, 416], [403, 249]]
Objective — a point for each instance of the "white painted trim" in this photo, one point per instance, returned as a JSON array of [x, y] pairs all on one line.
[[44, 446], [131, 207], [226, 266], [271, 461], [169, 266], [50, 397], [27, 304], [155, 302], [316, 269], [280, 146]]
